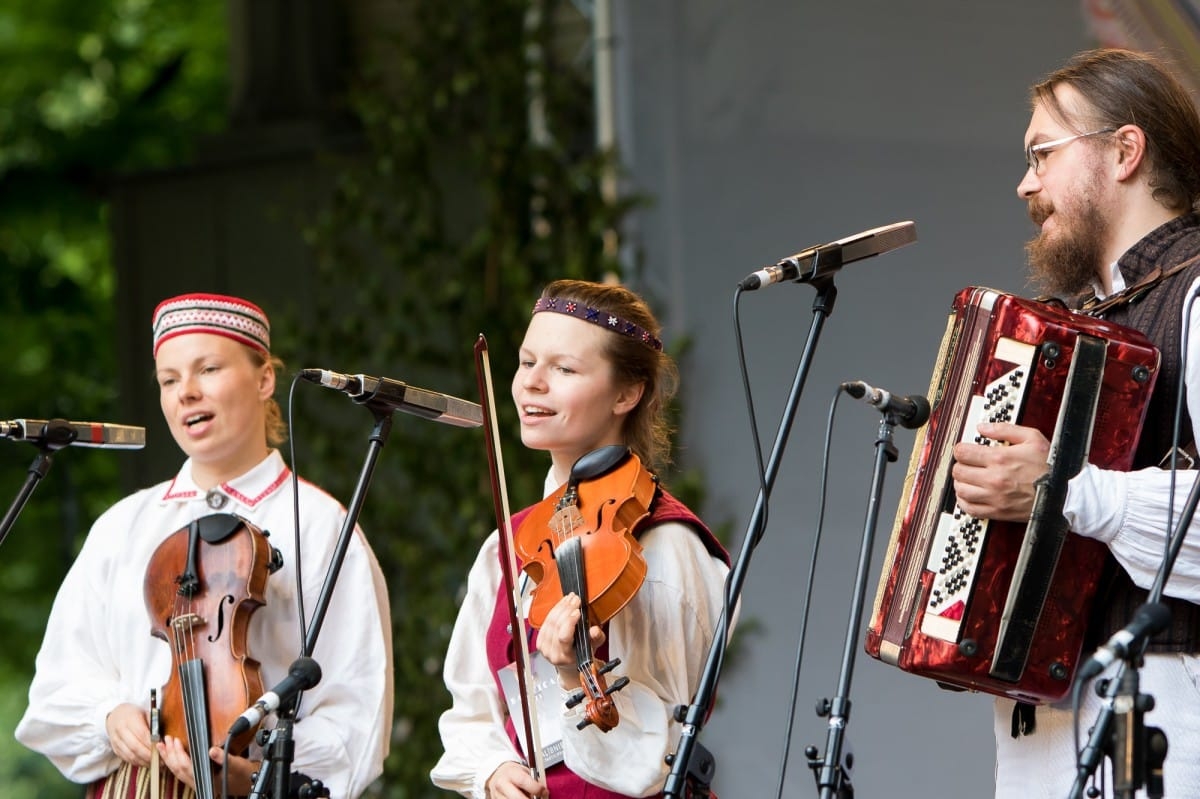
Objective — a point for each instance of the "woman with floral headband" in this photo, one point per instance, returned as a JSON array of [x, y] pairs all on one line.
[[89, 701], [591, 373]]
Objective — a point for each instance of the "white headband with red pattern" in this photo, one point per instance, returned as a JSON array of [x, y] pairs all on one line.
[[218, 314]]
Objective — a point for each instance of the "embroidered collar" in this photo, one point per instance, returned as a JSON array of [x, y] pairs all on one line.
[[247, 490]]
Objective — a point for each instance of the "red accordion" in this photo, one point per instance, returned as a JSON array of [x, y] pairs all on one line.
[[980, 604]]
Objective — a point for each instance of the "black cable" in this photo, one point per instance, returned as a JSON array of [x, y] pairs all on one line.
[[1176, 435], [806, 605], [296, 512], [758, 456]]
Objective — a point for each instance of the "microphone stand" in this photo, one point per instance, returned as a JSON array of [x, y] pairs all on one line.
[[833, 781], [56, 435], [278, 750], [279, 747], [1137, 751], [693, 766]]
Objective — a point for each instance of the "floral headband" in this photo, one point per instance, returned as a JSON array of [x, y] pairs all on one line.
[[597, 317]]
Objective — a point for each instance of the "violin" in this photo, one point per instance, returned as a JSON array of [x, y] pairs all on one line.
[[202, 585], [579, 540]]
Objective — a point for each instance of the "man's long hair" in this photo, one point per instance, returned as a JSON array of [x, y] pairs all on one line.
[[1123, 87]]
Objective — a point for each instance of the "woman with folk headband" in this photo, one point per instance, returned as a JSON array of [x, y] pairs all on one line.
[[591, 373], [89, 700]]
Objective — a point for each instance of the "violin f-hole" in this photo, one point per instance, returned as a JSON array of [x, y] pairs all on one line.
[[225, 600]]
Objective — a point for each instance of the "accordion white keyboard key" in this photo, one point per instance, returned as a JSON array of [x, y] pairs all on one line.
[[957, 543]]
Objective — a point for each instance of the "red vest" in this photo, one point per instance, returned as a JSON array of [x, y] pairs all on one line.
[[561, 781]]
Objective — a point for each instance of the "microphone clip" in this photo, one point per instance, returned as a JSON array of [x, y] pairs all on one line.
[[909, 412]]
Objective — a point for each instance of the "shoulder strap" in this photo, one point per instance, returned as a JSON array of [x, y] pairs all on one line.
[[1094, 307]]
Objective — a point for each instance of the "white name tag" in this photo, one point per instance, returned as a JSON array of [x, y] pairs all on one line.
[[550, 699]]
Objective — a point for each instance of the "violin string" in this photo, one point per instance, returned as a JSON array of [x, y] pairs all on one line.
[[183, 626], [569, 562], [569, 557]]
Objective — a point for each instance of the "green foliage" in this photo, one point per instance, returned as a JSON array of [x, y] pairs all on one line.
[[88, 89], [448, 227], [109, 86], [449, 230]]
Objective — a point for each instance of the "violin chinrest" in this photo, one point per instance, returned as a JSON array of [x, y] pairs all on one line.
[[598, 462]]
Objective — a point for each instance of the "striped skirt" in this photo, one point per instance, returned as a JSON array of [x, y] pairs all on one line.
[[133, 782]]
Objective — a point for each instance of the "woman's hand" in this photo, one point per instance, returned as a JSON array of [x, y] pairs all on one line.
[[556, 638], [128, 728], [175, 757], [512, 780]]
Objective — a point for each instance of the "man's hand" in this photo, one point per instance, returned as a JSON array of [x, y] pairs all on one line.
[[996, 482]]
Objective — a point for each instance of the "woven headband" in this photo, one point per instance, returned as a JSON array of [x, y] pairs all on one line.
[[217, 314], [597, 317]]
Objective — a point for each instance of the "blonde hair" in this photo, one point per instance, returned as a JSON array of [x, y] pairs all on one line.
[[275, 428]]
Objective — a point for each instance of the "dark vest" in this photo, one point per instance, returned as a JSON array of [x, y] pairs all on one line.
[[1157, 314], [561, 781]]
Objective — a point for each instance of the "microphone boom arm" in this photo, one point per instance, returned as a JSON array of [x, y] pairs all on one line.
[[53, 435], [693, 716]]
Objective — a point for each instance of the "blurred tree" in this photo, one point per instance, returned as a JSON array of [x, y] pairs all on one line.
[[88, 91], [482, 183], [478, 182]]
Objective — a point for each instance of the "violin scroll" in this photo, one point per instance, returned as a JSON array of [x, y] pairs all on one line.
[[600, 710]]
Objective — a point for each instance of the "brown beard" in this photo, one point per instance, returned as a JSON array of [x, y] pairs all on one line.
[[1067, 264]]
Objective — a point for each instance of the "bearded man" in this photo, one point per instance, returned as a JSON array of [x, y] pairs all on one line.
[[1112, 180]]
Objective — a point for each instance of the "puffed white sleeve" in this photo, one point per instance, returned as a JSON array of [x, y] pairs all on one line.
[[344, 726], [1128, 510], [78, 679], [662, 638], [474, 740]]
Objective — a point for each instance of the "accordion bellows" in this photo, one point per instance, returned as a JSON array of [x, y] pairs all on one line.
[[983, 605]]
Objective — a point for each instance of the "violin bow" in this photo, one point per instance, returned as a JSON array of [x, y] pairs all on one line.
[[155, 737], [537, 764]]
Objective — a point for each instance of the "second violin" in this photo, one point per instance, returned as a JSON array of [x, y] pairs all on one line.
[[579, 540]]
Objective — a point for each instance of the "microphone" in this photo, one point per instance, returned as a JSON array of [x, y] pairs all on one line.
[[910, 412], [58, 433], [303, 674], [393, 394], [1150, 618], [810, 265]]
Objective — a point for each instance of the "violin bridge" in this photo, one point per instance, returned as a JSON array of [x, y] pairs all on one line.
[[188, 621], [565, 522]]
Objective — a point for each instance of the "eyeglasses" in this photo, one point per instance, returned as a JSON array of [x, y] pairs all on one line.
[[1033, 151]]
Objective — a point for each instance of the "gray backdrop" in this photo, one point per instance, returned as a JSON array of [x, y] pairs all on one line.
[[760, 128]]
